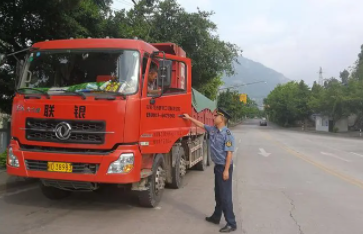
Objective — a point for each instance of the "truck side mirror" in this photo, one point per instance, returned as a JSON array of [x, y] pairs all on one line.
[[19, 66], [165, 73]]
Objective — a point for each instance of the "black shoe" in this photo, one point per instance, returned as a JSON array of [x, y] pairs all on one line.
[[228, 228], [212, 220]]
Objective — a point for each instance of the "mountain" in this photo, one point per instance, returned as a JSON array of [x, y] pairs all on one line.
[[249, 71]]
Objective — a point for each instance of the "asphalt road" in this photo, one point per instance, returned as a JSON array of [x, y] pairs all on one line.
[[285, 182]]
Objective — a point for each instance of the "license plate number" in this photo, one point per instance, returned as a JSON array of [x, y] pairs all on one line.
[[60, 167]]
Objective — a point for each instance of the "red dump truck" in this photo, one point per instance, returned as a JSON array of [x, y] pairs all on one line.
[[83, 118]]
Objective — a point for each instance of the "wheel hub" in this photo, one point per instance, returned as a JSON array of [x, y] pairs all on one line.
[[160, 179], [182, 167]]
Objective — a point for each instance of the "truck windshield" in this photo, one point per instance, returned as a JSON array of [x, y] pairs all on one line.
[[66, 72]]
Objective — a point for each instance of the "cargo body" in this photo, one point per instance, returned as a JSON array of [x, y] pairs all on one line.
[[83, 118]]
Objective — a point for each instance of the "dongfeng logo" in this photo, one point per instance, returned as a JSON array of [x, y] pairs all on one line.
[[63, 131]]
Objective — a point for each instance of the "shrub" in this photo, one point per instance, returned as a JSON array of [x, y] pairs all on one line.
[[3, 159]]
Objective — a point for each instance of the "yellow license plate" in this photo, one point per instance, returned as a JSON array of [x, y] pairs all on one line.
[[60, 167]]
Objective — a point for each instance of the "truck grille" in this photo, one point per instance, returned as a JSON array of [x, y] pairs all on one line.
[[70, 185], [78, 168], [82, 132]]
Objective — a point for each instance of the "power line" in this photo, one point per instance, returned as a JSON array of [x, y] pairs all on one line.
[[125, 3], [116, 9]]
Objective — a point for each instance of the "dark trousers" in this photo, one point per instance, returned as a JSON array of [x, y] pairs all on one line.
[[223, 196]]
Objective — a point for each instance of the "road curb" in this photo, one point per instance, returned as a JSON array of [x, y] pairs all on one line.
[[11, 182], [234, 125], [349, 135]]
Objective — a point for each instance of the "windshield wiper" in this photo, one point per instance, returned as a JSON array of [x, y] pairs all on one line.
[[71, 92], [110, 96], [40, 91]]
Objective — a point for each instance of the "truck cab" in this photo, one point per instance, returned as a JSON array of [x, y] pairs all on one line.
[[83, 116]]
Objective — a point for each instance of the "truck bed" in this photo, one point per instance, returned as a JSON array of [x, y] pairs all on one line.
[[203, 110]]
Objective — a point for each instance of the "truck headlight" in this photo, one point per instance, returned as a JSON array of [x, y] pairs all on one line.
[[124, 164], [12, 159]]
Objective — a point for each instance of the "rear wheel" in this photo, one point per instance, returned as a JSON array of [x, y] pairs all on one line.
[[156, 184], [179, 170], [202, 165], [53, 193]]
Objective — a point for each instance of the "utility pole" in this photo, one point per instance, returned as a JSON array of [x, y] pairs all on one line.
[[321, 79]]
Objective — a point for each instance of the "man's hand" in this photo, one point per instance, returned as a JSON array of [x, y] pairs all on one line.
[[225, 175], [186, 116], [196, 122]]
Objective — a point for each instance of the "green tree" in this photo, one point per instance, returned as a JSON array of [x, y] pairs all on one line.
[[230, 100], [344, 76], [25, 22], [302, 98], [195, 33], [288, 103], [357, 72]]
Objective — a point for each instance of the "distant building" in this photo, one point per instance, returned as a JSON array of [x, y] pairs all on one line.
[[324, 123], [321, 123]]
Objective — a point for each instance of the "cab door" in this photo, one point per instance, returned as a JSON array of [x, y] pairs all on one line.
[[161, 125]]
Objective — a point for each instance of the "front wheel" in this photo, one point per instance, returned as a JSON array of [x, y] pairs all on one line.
[[156, 184]]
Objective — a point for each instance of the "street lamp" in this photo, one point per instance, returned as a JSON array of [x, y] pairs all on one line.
[[232, 87]]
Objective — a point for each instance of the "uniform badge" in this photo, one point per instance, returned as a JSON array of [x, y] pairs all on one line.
[[228, 143]]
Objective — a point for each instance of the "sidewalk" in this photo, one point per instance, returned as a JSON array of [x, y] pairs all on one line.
[[311, 130], [8, 182]]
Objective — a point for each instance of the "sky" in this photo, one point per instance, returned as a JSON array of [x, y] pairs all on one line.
[[294, 37]]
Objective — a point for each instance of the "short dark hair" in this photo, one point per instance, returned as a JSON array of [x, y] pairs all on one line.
[[153, 69]]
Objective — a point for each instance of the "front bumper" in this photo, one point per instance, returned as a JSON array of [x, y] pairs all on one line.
[[100, 176]]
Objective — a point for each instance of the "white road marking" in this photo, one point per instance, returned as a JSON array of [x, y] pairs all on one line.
[[234, 153], [334, 156], [157, 208], [359, 155], [263, 152], [18, 191], [240, 140]]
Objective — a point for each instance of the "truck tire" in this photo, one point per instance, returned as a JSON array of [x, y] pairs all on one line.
[[53, 193], [179, 170], [202, 165], [156, 184]]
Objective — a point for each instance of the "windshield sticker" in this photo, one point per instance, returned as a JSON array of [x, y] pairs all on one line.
[[38, 54], [49, 110], [80, 112], [111, 86], [135, 54]]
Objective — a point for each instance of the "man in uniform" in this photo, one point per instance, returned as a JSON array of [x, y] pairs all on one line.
[[222, 147]]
